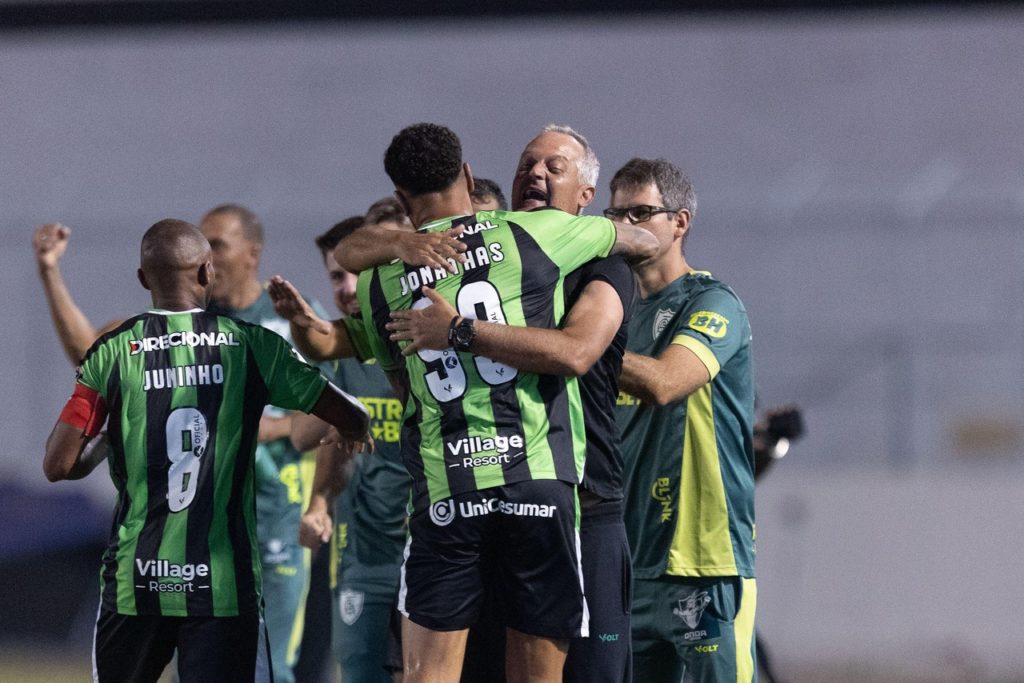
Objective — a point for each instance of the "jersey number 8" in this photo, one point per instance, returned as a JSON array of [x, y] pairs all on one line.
[[187, 437]]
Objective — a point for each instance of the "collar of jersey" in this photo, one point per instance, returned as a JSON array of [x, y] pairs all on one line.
[[161, 311], [426, 227]]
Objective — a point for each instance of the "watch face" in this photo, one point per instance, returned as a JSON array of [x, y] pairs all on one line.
[[464, 333]]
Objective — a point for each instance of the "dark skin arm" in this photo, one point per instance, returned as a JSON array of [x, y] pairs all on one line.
[[588, 330], [373, 245], [70, 454], [344, 413]]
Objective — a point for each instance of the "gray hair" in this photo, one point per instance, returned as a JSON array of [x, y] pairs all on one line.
[[589, 166]]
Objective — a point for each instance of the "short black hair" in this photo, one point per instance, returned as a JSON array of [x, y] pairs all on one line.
[[675, 187], [484, 188], [252, 229], [423, 157], [339, 231], [387, 210]]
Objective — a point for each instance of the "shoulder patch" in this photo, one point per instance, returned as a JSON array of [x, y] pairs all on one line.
[[709, 323]]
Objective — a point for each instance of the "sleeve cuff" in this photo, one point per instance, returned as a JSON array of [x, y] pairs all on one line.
[[706, 356]]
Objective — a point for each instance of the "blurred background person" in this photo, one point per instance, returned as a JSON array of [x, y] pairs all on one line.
[[367, 533]]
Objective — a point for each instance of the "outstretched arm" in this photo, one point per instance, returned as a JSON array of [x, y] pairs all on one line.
[[635, 244], [588, 330], [374, 245], [344, 412], [75, 332], [317, 339]]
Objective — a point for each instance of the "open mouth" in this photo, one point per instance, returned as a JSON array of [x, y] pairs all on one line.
[[534, 197]]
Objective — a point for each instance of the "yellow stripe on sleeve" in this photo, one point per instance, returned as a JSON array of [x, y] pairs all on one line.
[[701, 351]]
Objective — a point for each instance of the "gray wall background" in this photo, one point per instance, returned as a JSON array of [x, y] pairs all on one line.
[[860, 186]]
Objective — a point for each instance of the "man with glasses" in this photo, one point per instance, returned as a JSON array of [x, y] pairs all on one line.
[[687, 415]]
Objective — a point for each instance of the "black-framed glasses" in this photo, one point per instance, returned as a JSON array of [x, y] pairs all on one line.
[[641, 213]]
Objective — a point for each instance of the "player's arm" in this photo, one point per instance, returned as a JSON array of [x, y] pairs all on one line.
[[374, 245], [68, 455], [329, 479], [307, 431], [589, 328], [343, 412], [75, 332], [673, 375], [272, 428], [635, 244], [315, 338]]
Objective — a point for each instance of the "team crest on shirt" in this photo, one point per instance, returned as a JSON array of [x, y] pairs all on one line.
[[350, 605], [661, 320]]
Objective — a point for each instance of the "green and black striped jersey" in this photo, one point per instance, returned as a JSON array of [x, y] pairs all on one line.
[[689, 465], [185, 391], [471, 423]]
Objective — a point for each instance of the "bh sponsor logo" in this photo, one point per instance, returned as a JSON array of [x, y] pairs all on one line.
[[444, 511], [163, 576], [710, 323]]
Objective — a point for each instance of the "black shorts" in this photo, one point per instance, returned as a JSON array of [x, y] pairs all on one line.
[[606, 656], [520, 541], [138, 648]]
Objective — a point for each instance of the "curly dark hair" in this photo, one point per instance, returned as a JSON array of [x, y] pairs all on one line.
[[423, 157]]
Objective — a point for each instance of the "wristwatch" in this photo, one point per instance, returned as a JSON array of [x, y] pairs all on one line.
[[461, 333]]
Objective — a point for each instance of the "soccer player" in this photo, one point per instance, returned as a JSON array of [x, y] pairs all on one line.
[[558, 169], [494, 453], [184, 389], [687, 415], [369, 517], [237, 239], [283, 475]]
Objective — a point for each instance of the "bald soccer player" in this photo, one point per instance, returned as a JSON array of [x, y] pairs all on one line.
[[184, 390]]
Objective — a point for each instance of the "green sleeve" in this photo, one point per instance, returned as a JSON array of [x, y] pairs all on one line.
[[714, 326], [370, 345], [568, 240], [95, 369], [291, 383], [360, 338]]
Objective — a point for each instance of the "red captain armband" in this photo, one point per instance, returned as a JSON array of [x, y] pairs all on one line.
[[85, 410]]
